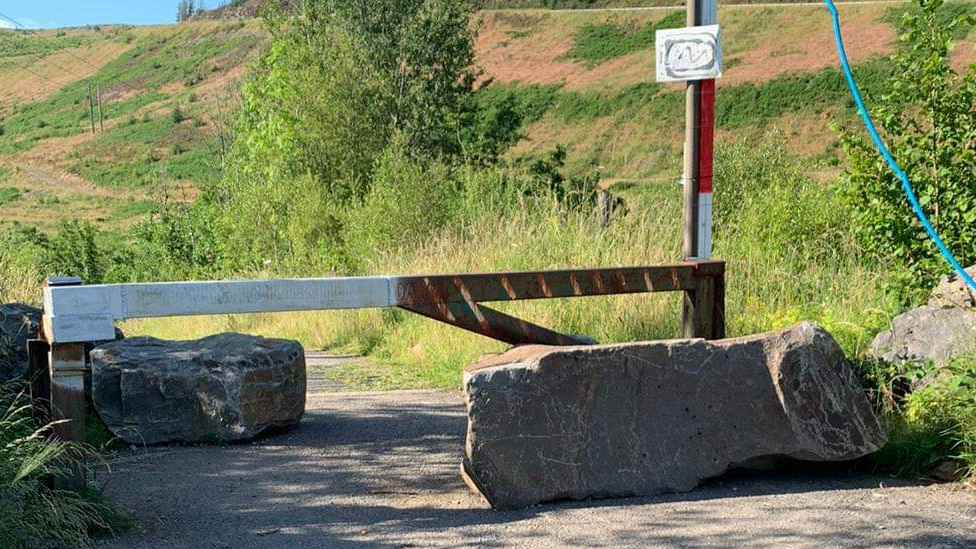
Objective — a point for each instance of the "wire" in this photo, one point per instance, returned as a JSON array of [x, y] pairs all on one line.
[[890, 160], [42, 57]]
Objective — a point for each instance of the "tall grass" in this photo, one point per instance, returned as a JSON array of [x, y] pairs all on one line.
[[20, 281], [930, 425], [31, 514]]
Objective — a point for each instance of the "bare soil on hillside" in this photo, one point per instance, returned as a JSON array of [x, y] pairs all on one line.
[[764, 43], [51, 73], [380, 470], [812, 49]]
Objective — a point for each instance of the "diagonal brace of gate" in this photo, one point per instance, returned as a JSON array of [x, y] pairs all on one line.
[[456, 299]]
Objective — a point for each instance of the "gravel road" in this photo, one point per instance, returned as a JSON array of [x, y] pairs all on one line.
[[380, 470]]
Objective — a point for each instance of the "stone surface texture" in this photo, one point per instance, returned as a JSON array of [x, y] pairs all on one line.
[[942, 329], [952, 291], [549, 423], [18, 323], [226, 387]]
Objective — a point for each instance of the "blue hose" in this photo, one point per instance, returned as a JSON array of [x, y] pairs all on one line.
[[905, 184]]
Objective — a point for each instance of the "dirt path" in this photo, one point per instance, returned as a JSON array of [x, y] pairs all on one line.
[[381, 470], [55, 179]]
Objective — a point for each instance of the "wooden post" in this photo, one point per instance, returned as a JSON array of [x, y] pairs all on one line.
[[704, 308], [98, 97], [66, 362], [606, 208], [91, 108], [39, 375]]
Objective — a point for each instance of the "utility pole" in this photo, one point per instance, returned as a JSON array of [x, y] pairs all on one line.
[[699, 133], [91, 108], [689, 216], [98, 96]]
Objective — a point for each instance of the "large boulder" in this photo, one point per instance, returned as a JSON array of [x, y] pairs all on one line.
[[18, 323], [227, 387], [549, 423], [942, 329]]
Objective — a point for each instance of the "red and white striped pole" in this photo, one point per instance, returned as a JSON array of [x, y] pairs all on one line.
[[706, 135]]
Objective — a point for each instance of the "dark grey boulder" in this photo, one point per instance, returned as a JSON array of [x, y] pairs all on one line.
[[937, 332], [227, 387], [928, 333], [549, 423], [18, 323]]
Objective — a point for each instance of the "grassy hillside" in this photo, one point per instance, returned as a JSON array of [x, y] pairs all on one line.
[[165, 91]]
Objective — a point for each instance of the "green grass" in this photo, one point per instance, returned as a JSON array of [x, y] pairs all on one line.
[[596, 44], [815, 92], [30, 513], [34, 44], [580, 107], [790, 257], [738, 106], [128, 209], [948, 12], [8, 195], [139, 153], [930, 425]]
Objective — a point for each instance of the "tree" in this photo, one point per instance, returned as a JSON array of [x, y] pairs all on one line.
[[184, 10], [424, 49], [312, 122], [928, 119], [342, 81]]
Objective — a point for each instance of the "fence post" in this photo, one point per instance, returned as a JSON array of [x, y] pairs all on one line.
[[66, 364], [39, 375], [703, 311], [606, 208]]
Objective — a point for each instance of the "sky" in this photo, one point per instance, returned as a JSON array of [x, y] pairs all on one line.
[[76, 13]]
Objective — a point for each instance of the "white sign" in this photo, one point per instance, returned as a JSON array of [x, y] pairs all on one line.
[[690, 53]]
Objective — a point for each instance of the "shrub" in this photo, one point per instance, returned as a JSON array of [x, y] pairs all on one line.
[[73, 250], [408, 202], [177, 114], [928, 117]]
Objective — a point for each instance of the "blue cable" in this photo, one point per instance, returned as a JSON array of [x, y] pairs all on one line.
[[905, 184]]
